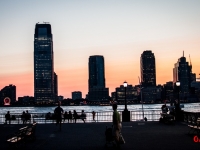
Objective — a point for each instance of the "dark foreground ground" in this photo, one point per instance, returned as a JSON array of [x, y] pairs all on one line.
[[91, 136]]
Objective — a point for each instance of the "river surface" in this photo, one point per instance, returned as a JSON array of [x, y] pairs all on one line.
[[191, 107]]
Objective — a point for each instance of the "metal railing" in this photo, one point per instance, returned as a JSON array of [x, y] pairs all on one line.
[[151, 115]]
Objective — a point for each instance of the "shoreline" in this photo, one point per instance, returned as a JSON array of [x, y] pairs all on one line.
[[90, 105]]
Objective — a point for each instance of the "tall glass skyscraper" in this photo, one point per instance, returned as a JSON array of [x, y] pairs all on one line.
[[96, 83], [96, 72], [43, 64], [148, 68], [182, 72]]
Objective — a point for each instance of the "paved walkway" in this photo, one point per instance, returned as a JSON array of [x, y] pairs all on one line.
[[91, 136]]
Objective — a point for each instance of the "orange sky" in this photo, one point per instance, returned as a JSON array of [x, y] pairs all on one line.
[[118, 30]]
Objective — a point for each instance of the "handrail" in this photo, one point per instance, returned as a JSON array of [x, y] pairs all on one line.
[[106, 116]]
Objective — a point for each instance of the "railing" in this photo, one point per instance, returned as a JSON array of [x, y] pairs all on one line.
[[191, 117], [151, 115]]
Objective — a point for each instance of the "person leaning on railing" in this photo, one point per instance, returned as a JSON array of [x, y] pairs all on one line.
[[7, 117]]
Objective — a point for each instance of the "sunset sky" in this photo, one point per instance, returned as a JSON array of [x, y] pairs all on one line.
[[118, 30]]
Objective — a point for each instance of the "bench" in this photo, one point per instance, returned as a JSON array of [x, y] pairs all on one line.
[[30, 132], [12, 119], [18, 138], [23, 135], [194, 126], [166, 118], [82, 117]]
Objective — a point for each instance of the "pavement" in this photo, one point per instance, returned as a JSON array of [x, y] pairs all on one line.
[[91, 136]]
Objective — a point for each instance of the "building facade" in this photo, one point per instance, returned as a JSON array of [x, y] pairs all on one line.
[[148, 69], [96, 82], [182, 72], [8, 95], [76, 95], [43, 64], [131, 94]]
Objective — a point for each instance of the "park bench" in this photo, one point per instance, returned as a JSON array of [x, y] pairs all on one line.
[[12, 119], [166, 118], [23, 135], [30, 132], [18, 138], [194, 126], [79, 117]]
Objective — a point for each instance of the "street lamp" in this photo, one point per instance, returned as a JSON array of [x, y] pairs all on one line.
[[177, 105], [125, 85], [125, 113], [178, 83]]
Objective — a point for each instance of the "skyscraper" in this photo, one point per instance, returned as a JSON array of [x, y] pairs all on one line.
[[148, 69], [96, 83], [43, 64], [182, 72]]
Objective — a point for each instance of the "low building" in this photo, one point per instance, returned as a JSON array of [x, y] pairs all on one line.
[[76, 95], [131, 94], [8, 95]]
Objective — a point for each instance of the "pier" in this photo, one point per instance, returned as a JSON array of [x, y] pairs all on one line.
[[138, 135]]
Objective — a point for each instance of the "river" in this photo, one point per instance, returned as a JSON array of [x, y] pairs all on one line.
[[191, 107]]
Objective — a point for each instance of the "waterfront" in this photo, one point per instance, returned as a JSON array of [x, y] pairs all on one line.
[[191, 107]]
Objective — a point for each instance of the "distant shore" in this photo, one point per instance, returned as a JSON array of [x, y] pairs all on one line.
[[89, 104]]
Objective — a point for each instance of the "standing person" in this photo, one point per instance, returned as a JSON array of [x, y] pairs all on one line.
[[93, 115], [23, 116], [7, 117], [116, 124], [27, 116], [58, 114], [70, 116]]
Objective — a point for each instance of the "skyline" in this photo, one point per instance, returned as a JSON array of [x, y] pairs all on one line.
[[119, 31]]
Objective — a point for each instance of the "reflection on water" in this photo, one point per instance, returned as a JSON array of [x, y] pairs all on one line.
[[194, 107]]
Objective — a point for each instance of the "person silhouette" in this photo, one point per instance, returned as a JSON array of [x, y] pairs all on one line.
[[58, 114]]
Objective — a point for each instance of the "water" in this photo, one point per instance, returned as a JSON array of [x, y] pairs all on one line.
[[191, 107]]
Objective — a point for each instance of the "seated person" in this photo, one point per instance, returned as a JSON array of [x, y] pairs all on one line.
[[83, 116], [70, 116], [48, 116], [164, 108], [76, 116], [66, 116]]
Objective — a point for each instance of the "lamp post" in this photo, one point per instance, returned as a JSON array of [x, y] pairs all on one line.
[[177, 106], [178, 85], [125, 113], [125, 85]]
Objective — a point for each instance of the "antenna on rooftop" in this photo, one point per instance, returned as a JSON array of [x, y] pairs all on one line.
[[190, 60]]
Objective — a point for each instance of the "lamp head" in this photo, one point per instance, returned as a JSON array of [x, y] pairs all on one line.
[[178, 83]]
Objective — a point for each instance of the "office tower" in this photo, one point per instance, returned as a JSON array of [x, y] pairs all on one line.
[[76, 95], [148, 69], [96, 83], [43, 64], [8, 95], [182, 72]]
